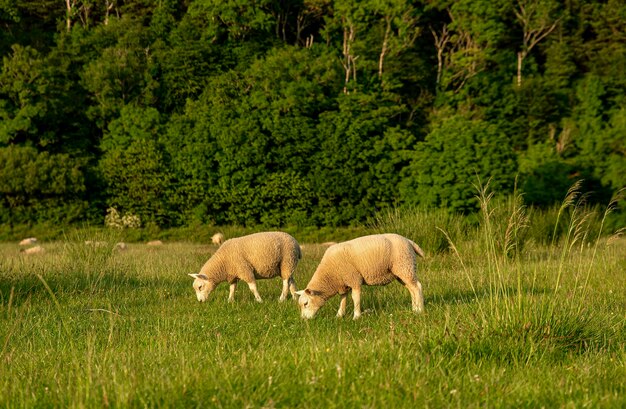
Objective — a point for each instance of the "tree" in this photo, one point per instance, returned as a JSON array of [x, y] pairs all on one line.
[[537, 20], [133, 165], [356, 170], [23, 86], [446, 165], [118, 75], [37, 186]]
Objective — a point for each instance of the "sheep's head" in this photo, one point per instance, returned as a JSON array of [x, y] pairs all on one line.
[[203, 286], [309, 302]]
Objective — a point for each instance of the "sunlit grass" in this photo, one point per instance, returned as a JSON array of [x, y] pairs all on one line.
[[509, 322]]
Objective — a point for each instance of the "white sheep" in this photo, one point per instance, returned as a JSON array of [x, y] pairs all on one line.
[[248, 258], [28, 241], [368, 260], [33, 250], [217, 238]]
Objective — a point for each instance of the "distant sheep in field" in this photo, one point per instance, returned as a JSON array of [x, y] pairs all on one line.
[[154, 243], [29, 241], [33, 250], [217, 239], [96, 243], [248, 258], [120, 246], [368, 260]]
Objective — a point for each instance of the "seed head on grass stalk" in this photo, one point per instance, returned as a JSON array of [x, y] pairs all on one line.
[[570, 198], [518, 220], [577, 227], [496, 280], [613, 203], [454, 250]]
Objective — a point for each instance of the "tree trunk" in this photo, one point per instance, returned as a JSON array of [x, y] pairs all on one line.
[[384, 47], [520, 59], [68, 15], [349, 60]]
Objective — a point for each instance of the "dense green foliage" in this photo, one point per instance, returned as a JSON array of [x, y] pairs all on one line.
[[305, 112]]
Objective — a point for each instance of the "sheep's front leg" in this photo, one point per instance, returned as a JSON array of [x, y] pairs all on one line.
[[342, 305], [283, 294], [356, 299], [231, 291], [252, 286]]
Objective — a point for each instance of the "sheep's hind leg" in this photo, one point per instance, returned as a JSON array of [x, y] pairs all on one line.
[[252, 286], [292, 288], [285, 291], [231, 291], [417, 297], [356, 299], [342, 305]]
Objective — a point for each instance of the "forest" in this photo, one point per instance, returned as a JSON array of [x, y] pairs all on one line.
[[304, 112]]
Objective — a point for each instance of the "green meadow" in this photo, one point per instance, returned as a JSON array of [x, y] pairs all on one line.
[[520, 312]]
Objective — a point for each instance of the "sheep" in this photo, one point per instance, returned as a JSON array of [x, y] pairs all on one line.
[[154, 243], [33, 250], [217, 238], [248, 258], [369, 260], [96, 243], [28, 241]]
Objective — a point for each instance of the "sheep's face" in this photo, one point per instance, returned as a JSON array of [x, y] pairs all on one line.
[[203, 286], [309, 302]]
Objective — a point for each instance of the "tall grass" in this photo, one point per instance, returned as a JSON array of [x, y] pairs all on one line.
[[90, 326], [569, 321], [423, 226]]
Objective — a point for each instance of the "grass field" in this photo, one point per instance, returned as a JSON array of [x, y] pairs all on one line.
[[526, 325]]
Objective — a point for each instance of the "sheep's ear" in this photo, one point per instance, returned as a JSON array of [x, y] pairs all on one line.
[[308, 292], [299, 293], [193, 275]]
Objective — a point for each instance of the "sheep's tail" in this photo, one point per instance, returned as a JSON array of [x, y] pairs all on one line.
[[299, 253], [418, 249]]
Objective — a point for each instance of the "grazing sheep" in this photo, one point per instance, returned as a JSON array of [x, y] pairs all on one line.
[[28, 241], [248, 258], [96, 243], [33, 250], [218, 239], [368, 260], [121, 246]]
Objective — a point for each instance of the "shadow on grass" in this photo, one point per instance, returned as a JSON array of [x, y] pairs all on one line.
[[17, 290], [454, 297]]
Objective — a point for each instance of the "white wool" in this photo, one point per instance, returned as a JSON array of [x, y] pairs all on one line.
[[370, 260], [28, 241], [217, 238], [33, 250], [248, 258]]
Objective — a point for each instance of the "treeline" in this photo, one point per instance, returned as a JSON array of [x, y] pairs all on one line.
[[309, 112]]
